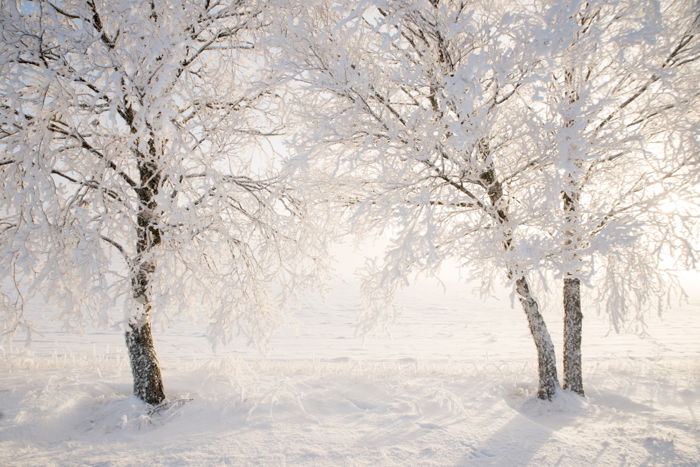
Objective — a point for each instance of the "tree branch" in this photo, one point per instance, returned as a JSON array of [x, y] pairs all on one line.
[[53, 126], [88, 184], [119, 248]]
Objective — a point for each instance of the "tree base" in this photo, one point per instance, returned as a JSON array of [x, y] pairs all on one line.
[[148, 383]]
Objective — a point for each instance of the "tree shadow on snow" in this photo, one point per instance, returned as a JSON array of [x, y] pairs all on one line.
[[515, 443], [531, 426]]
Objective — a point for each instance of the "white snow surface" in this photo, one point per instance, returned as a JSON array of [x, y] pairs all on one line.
[[454, 384]]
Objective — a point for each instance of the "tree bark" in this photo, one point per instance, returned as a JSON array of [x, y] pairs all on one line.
[[573, 327], [148, 383], [546, 357], [573, 316]]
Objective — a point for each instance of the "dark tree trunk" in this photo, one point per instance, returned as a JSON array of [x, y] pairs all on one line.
[[148, 383], [573, 320], [546, 357], [573, 317]]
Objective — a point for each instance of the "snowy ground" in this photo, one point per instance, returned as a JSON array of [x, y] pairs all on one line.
[[454, 385]]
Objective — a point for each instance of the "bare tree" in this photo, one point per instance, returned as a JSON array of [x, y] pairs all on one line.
[[128, 170]]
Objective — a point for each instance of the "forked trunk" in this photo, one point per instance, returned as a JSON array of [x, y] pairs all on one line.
[[546, 358], [573, 320]]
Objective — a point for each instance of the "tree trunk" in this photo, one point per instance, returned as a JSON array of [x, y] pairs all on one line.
[[573, 318], [148, 383], [546, 358]]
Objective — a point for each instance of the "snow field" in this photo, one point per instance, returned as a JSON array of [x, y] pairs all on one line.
[[454, 384], [227, 411]]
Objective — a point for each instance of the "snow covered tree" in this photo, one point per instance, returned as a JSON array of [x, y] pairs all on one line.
[[619, 128], [412, 106], [128, 173]]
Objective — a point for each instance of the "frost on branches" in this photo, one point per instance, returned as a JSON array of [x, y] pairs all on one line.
[[537, 139], [527, 141], [417, 115], [616, 121], [128, 172]]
